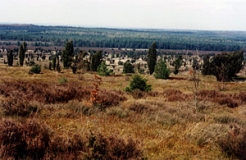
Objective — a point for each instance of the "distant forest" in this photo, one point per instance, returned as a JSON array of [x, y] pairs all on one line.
[[122, 38]]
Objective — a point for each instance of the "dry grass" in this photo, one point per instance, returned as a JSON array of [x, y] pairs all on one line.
[[162, 124]]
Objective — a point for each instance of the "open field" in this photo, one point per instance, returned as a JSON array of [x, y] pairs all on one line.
[[165, 123]]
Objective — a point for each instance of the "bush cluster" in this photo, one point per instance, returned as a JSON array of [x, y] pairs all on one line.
[[110, 98], [34, 140], [23, 141], [234, 143], [104, 148], [52, 93], [176, 95], [231, 100], [19, 107]]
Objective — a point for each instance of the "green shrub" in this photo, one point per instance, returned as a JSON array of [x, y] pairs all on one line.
[[161, 70], [63, 80], [138, 83], [31, 63], [128, 68], [36, 69], [223, 66], [177, 64], [102, 69]]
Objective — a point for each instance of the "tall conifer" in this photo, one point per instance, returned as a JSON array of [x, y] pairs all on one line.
[[152, 56]]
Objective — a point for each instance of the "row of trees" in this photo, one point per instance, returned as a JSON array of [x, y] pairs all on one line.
[[123, 38], [160, 69], [223, 66], [22, 51]]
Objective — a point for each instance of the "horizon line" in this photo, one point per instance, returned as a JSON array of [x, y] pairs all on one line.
[[115, 27]]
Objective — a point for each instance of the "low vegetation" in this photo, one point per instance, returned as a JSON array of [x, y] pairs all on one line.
[[57, 115]]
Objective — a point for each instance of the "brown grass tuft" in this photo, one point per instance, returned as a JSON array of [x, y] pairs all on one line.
[[234, 143], [175, 95], [101, 147], [27, 140], [14, 106]]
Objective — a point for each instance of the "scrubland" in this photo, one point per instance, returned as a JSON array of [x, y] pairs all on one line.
[[81, 116]]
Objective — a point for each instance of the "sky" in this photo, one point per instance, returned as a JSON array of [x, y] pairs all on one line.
[[146, 14]]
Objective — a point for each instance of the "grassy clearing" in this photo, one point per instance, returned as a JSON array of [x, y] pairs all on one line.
[[162, 124]]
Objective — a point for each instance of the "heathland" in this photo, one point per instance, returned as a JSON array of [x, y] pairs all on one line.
[[60, 118], [77, 114]]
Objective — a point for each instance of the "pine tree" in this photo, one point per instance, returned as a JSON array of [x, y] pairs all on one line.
[[58, 67], [161, 70], [21, 55], [67, 54], [177, 64], [102, 69], [152, 56], [96, 60], [50, 64], [138, 83], [206, 65], [10, 57], [128, 68], [54, 63]]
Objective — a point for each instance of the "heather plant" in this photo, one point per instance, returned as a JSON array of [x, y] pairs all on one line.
[[118, 112], [110, 98], [34, 140], [137, 94], [19, 107], [234, 143], [104, 148], [175, 95], [28, 140]]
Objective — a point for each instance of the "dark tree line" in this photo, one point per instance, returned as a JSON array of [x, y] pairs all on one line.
[[123, 38]]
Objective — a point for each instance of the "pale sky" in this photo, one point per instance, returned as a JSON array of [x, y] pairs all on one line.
[[157, 14]]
